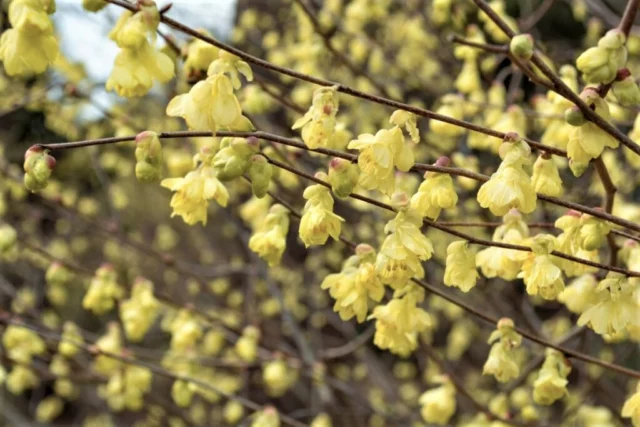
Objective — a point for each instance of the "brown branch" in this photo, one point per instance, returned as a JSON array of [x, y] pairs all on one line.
[[531, 21], [420, 167], [487, 47]]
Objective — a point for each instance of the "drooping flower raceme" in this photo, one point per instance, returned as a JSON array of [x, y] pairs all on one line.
[[580, 293], [379, 155], [601, 63], [438, 404], [270, 239], [104, 291], [403, 249], [196, 189], [569, 242], [399, 322], [140, 311], [22, 344], [30, 46], [435, 193], [318, 221], [614, 307], [500, 262], [138, 64], [356, 285], [510, 186], [587, 141], [211, 104], [551, 383], [319, 123], [631, 408], [460, 270], [546, 178], [541, 275], [501, 363]]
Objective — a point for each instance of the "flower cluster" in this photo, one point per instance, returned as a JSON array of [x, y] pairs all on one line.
[[138, 64], [510, 187], [103, 291], [319, 123], [270, 238], [318, 221], [140, 311], [30, 46], [404, 248], [501, 363], [356, 285], [399, 322]]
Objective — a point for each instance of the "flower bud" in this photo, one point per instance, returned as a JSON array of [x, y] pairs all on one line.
[[260, 171], [522, 46], [49, 409], [8, 238], [343, 177], [181, 393], [93, 5], [37, 166], [232, 412], [574, 116], [625, 89], [268, 417]]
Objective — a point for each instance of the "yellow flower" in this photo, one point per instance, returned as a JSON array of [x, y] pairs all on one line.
[[569, 243], [409, 121], [233, 66], [452, 106], [210, 104], [26, 54], [501, 363], [500, 262], [600, 64], [579, 294], [551, 383], [588, 141], [21, 344], [319, 123], [135, 70], [378, 156], [355, 285], [460, 268], [193, 193], [546, 178], [30, 46], [103, 292], [435, 193], [318, 221], [200, 55], [468, 80], [403, 250], [399, 322], [510, 186], [540, 274], [631, 408], [614, 308], [438, 404], [269, 241]]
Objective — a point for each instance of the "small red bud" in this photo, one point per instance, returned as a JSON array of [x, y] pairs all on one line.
[[51, 162], [443, 161], [622, 74]]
